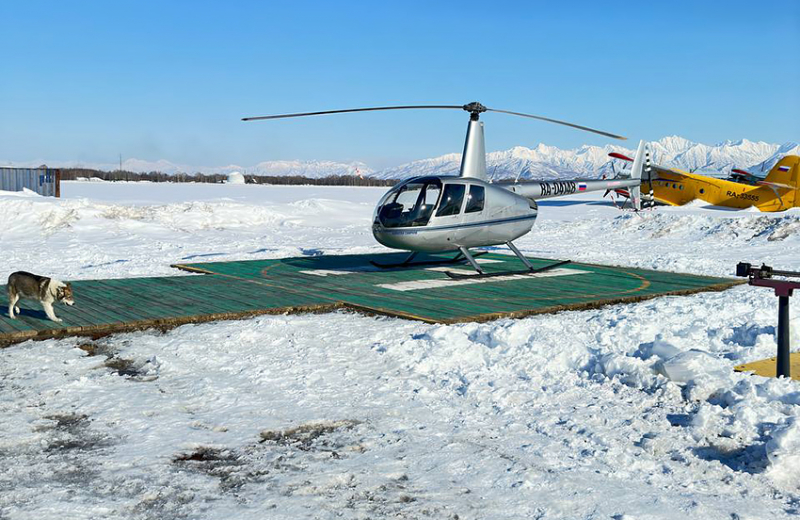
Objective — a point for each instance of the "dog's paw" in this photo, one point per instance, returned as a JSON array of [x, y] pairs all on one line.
[[16, 309], [12, 316], [57, 320]]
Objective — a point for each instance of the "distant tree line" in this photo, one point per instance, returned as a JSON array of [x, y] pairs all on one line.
[[71, 174]]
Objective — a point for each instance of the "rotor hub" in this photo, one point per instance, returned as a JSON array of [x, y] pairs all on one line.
[[474, 109]]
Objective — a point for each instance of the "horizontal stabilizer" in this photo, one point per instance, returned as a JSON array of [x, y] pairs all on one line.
[[776, 185], [616, 155]]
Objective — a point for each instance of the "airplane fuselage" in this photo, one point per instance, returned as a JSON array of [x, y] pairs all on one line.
[[680, 187]]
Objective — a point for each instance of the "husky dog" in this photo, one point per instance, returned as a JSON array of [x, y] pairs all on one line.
[[46, 290]]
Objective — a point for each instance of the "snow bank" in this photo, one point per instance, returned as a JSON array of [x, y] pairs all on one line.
[[629, 411], [25, 192], [85, 238], [783, 450], [694, 240]]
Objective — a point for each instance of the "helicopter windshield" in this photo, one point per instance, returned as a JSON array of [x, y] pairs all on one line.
[[411, 204]]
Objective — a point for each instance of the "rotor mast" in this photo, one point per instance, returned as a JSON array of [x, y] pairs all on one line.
[[473, 160]]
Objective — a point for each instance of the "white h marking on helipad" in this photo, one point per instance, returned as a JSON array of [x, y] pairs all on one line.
[[449, 282], [374, 269]]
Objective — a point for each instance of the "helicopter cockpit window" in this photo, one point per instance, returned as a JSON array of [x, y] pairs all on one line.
[[411, 205], [452, 198], [477, 194]]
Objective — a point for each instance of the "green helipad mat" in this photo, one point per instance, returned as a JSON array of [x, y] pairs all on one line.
[[231, 290]]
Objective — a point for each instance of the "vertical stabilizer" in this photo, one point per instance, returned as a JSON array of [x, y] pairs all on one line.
[[786, 172], [473, 161], [640, 161]]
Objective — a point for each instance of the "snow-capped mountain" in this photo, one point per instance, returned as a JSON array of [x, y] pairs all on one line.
[[785, 149], [540, 162], [549, 162], [310, 169]]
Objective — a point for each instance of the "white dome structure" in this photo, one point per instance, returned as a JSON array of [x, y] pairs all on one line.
[[235, 178]]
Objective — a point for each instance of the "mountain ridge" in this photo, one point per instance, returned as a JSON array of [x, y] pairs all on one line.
[[550, 162], [540, 162]]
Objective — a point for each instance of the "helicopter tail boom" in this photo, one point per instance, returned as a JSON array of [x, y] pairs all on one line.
[[536, 190]]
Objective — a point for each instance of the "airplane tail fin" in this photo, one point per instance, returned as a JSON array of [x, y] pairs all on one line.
[[786, 172]]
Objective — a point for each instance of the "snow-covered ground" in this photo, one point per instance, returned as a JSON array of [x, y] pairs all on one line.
[[626, 412]]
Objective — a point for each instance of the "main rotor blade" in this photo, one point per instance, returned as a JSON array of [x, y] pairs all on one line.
[[301, 114], [474, 108], [558, 122]]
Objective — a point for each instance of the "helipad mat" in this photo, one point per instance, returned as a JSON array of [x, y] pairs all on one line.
[[230, 290]]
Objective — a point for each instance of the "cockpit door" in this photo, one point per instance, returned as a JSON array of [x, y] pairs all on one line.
[[476, 200], [451, 201]]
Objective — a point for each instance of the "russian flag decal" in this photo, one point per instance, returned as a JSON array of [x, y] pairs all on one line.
[[581, 186]]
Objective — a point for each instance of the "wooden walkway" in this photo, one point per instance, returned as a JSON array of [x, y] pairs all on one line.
[[234, 290]]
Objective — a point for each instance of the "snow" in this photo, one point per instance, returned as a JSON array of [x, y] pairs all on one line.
[[628, 411]]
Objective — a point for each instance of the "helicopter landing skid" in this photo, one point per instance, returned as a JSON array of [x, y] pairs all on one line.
[[464, 276], [408, 263]]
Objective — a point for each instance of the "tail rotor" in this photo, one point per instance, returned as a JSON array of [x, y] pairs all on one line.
[[641, 169]]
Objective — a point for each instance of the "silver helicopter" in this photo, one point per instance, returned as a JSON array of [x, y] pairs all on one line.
[[438, 213]]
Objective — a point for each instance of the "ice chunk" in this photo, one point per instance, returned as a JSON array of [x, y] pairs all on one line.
[[690, 365], [659, 348]]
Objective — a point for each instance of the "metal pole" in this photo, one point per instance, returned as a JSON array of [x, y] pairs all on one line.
[[783, 337]]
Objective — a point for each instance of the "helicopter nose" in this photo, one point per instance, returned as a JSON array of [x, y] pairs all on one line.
[[380, 235], [387, 238]]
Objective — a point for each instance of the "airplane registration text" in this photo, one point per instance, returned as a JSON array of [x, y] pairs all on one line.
[[743, 196], [550, 189]]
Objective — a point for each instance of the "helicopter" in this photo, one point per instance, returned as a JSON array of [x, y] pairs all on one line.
[[446, 213]]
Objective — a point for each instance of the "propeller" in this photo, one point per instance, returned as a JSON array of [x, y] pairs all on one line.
[[474, 108]]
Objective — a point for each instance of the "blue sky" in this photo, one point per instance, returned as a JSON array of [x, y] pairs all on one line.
[[88, 80]]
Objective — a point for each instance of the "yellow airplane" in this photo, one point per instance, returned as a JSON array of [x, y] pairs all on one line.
[[776, 192]]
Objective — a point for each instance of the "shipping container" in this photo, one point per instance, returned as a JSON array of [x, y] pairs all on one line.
[[44, 181]]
